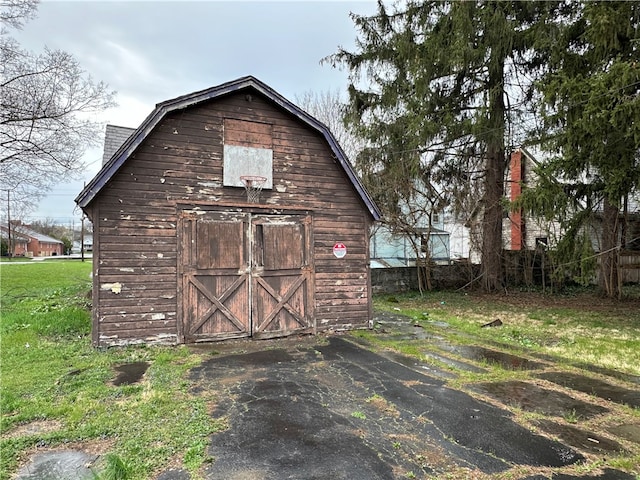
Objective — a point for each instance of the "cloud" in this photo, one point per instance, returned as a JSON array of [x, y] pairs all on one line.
[[130, 112], [124, 66]]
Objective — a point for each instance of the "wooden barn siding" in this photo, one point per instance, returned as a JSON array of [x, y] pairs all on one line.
[[181, 162]]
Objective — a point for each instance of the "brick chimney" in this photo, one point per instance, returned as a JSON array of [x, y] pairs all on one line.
[[516, 176]]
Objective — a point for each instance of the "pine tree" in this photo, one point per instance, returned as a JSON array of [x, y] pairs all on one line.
[[434, 89], [591, 110]]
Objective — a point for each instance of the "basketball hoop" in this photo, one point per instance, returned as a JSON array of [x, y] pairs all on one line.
[[253, 185]]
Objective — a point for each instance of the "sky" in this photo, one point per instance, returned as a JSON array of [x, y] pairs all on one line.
[[152, 51]]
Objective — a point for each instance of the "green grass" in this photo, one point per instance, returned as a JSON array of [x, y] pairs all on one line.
[[33, 277], [51, 373], [578, 327]]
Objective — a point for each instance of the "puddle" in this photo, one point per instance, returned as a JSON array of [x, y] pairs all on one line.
[[580, 439], [532, 398], [591, 386], [625, 377], [439, 324], [61, 465], [505, 360], [425, 368], [405, 328], [391, 318], [455, 363], [129, 373], [629, 432], [417, 334], [608, 474]]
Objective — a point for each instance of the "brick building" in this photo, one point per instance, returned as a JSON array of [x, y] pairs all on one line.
[[29, 243]]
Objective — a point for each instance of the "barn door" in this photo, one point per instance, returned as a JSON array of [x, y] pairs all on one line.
[[215, 276], [245, 275], [281, 276]]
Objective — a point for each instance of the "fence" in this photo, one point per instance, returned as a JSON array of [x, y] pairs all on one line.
[[402, 279], [630, 266], [526, 267]]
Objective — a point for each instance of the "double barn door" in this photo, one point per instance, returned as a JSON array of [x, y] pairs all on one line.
[[245, 274]]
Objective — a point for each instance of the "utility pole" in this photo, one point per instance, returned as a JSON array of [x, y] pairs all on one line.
[[82, 237], [9, 250], [82, 232]]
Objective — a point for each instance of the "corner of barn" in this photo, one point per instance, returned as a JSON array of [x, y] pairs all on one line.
[[182, 256]]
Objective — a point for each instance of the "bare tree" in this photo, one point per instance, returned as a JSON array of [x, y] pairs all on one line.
[[14, 13], [48, 111], [328, 106], [408, 219]]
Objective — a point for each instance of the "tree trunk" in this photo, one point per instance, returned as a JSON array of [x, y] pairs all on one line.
[[610, 281], [495, 166], [492, 278]]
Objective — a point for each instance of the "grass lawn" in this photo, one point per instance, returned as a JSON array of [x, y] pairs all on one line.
[[53, 378], [54, 381], [578, 327]]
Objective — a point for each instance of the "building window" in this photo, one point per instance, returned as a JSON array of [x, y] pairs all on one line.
[[542, 242]]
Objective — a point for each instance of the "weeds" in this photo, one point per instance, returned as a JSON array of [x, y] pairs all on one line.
[[51, 372], [571, 416], [114, 469]]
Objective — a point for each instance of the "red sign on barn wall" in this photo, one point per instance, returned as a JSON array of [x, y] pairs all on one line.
[[339, 250]]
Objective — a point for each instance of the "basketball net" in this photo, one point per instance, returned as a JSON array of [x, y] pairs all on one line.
[[253, 186]]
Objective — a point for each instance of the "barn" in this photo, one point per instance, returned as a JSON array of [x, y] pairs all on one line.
[[228, 213]]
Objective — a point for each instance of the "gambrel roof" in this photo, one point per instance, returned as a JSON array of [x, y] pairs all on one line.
[[110, 168]]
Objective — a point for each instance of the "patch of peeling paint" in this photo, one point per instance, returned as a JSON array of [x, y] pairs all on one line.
[[126, 269], [205, 191], [114, 287], [160, 339], [210, 184]]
